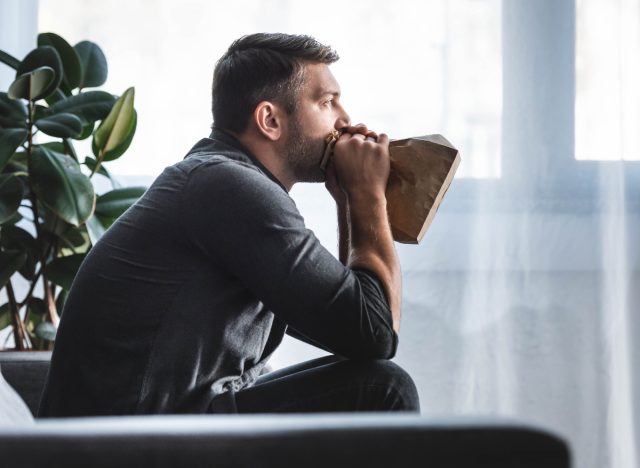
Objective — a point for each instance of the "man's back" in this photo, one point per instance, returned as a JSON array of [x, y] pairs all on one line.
[[139, 308]]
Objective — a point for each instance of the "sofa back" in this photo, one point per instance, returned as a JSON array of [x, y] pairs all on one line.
[[26, 372]]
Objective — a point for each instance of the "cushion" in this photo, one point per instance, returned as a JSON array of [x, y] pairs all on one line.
[[13, 411]]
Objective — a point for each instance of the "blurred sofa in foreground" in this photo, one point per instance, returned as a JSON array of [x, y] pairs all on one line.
[[329, 440]]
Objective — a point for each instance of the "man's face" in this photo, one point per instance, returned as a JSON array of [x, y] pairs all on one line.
[[318, 112]]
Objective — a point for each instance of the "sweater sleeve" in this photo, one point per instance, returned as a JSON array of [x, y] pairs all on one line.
[[248, 225]]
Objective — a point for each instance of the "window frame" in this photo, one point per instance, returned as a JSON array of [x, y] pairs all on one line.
[[539, 146]]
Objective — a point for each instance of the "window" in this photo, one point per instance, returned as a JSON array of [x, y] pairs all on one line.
[[407, 68], [607, 77]]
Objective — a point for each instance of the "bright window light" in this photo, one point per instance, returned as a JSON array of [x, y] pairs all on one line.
[[407, 68], [607, 76]]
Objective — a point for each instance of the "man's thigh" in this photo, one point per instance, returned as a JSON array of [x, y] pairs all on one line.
[[331, 384], [296, 368]]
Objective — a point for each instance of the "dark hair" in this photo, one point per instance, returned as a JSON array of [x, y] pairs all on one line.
[[262, 67]]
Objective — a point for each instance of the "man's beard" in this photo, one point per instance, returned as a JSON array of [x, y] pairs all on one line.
[[304, 154]]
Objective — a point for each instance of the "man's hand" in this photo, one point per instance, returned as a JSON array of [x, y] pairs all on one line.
[[332, 183], [361, 169], [361, 161]]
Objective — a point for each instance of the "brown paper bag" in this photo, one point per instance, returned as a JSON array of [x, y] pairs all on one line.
[[422, 169]]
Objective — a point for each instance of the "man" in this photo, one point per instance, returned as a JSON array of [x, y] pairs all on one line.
[[180, 304]]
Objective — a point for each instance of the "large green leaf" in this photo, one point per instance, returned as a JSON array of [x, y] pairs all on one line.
[[13, 113], [69, 148], [40, 111], [10, 196], [10, 140], [122, 147], [112, 204], [95, 228], [10, 262], [114, 135], [33, 85], [57, 95], [60, 301], [17, 239], [57, 146], [68, 55], [16, 218], [94, 64], [87, 130], [51, 222], [59, 184], [63, 125], [9, 60], [5, 316], [45, 56], [31, 324], [62, 270], [89, 106], [74, 238]]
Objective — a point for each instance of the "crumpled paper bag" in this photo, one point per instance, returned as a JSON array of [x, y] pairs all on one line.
[[422, 169]]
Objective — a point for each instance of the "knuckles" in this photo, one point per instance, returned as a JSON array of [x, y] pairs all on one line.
[[360, 146]]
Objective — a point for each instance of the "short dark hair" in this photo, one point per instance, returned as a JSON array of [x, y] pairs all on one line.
[[262, 67]]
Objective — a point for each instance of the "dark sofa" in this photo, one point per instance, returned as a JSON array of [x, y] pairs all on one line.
[[331, 440]]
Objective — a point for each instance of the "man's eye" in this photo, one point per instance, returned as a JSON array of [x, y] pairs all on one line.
[[328, 102]]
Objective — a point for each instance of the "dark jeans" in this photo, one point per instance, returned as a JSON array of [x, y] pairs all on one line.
[[331, 384]]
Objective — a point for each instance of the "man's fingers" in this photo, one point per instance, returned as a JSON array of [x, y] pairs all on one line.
[[361, 132], [354, 129], [361, 129]]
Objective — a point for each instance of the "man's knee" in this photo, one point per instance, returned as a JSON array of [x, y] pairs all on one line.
[[402, 391]]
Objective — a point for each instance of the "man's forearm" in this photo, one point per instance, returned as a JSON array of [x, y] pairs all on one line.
[[344, 232], [371, 246]]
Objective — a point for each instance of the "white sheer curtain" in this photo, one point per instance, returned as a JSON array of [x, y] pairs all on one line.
[[522, 299]]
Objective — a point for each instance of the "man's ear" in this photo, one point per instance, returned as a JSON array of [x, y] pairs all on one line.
[[268, 118]]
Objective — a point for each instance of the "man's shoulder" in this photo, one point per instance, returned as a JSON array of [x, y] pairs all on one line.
[[217, 171], [218, 162], [221, 173], [231, 190], [223, 177]]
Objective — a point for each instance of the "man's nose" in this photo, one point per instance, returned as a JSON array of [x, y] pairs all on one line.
[[343, 120]]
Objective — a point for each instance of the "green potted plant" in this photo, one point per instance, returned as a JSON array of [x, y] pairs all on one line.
[[50, 215]]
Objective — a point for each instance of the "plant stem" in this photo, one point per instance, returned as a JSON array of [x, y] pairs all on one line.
[[36, 277], [51, 305], [18, 326], [32, 286], [32, 196], [98, 163]]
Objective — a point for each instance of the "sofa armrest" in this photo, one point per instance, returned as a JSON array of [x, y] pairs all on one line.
[[330, 440], [26, 372]]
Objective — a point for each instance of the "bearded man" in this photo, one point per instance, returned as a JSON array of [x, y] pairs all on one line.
[[180, 304]]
